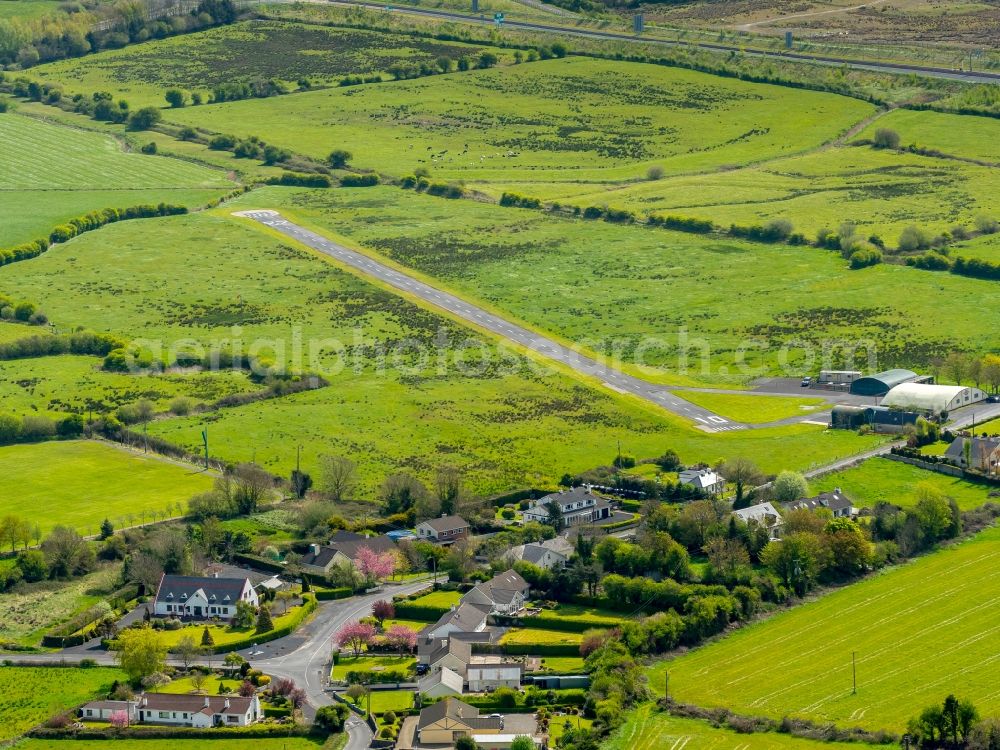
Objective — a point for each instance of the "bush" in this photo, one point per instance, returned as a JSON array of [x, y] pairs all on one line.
[[885, 138], [987, 225], [144, 118], [339, 158], [359, 180], [864, 257], [149, 148], [913, 238], [301, 180]]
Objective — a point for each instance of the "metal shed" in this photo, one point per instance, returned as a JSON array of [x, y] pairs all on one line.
[[881, 383]]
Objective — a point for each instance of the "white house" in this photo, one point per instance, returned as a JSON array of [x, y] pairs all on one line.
[[765, 515], [464, 618], [504, 594], [490, 673], [705, 480], [542, 554], [578, 505], [443, 530], [201, 711], [202, 598]]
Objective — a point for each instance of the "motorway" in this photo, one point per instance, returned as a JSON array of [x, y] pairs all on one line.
[[611, 377], [878, 67]]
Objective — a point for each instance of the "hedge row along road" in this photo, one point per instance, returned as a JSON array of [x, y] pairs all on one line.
[[611, 377]]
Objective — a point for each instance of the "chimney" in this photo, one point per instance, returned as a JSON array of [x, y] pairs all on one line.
[[314, 549], [216, 574], [444, 515], [207, 704], [225, 705], [836, 491]]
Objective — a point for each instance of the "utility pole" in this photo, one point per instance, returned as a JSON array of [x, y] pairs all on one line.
[[854, 671], [204, 438], [666, 684]]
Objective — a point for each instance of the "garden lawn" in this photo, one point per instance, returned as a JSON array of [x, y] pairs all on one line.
[[54, 173], [370, 664], [27, 613], [225, 635], [180, 743], [531, 636], [437, 599], [413, 624], [31, 695], [184, 685], [247, 52], [387, 700], [754, 409], [571, 612], [513, 123], [920, 631], [650, 729], [563, 664], [79, 483], [557, 726], [882, 480]]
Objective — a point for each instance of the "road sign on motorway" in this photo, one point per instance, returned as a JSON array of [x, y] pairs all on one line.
[[498, 19]]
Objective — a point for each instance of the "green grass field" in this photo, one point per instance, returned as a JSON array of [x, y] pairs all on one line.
[[370, 664], [650, 729], [653, 297], [624, 118], [55, 173], [178, 743], [80, 483], [438, 599], [27, 613], [211, 686], [754, 409], [31, 695], [246, 52], [965, 136], [529, 636], [920, 632], [27, 9], [387, 700], [563, 664], [880, 479], [57, 385]]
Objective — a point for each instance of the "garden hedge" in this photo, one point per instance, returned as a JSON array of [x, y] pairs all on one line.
[[559, 624], [407, 611], [169, 733], [527, 649], [324, 595]]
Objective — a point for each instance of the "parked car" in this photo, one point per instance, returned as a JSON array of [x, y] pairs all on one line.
[[423, 669], [994, 399], [806, 381]]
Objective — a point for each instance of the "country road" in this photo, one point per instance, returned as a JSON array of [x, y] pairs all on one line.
[[611, 377], [878, 67]]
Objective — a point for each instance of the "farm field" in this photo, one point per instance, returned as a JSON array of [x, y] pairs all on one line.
[[26, 614], [15, 331], [625, 118], [26, 9], [177, 743], [505, 423], [986, 247], [882, 480], [650, 729], [56, 172], [966, 136], [33, 694], [648, 296], [247, 52], [920, 631], [80, 483], [754, 409], [68, 383]]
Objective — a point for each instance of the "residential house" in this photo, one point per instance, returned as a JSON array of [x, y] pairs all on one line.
[[490, 672], [202, 598], [706, 480], [454, 654], [444, 530], [441, 683], [343, 550], [201, 711], [765, 515], [983, 453], [445, 722], [549, 554], [504, 594], [836, 502], [465, 617], [578, 506]]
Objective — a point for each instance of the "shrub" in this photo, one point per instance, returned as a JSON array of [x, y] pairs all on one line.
[[885, 138], [866, 256], [144, 118], [148, 148], [359, 180], [654, 173], [987, 224], [913, 238], [339, 158]]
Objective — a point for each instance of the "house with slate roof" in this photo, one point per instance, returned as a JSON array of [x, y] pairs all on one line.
[[202, 598]]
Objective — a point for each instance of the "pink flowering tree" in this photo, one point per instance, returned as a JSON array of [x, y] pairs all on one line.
[[355, 636], [374, 566], [401, 638], [383, 610], [118, 719]]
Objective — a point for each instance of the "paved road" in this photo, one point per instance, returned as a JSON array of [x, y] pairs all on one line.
[[899, 68], [609, 376]]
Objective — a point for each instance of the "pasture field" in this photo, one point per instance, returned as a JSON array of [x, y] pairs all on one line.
[[69, 383], [965, 136], [754, 409], [80, 483], [247, 52], [882, 192], [920, 631], [650, 729], [32, 694], [178, 743], [986, 247], [568, 120], [26, 9], [26, 614], [14, 331], [880, 479], [55, 173], [488, 411], [662, 302]]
